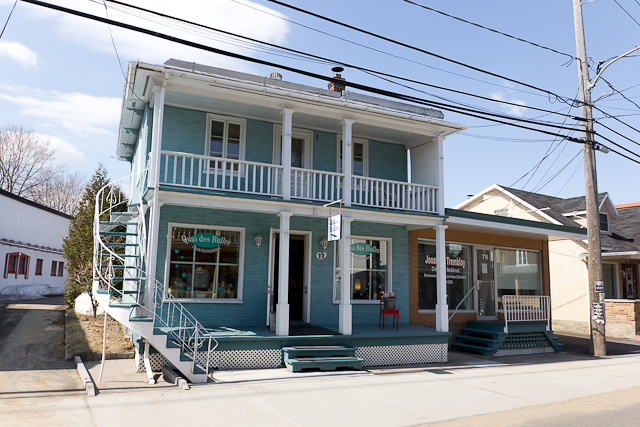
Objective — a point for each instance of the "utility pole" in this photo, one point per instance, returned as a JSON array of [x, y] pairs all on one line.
[[596, 287]]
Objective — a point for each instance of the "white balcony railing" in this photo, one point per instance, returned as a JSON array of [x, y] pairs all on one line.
[[526, 308], [214, 173], [316, 185], [382, 193], [195, 171]]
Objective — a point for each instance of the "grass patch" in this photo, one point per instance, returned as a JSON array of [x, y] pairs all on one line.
[[84, 334]]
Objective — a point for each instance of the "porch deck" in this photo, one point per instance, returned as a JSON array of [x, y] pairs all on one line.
[[254, 347]]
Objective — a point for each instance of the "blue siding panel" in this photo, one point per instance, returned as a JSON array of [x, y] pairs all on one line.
[[184, 130], [387, 161], [324, 151], [259, 141]]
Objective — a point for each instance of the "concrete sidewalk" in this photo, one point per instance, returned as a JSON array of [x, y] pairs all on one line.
[[528, 387], [467, 386]]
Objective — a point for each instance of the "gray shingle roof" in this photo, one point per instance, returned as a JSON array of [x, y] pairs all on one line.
[[625, 228]]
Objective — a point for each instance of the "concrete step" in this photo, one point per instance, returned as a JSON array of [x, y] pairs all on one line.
[[323, 363], [485, 351]]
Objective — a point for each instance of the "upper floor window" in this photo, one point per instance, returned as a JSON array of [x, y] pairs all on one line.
[[226, 138], [604, 222], [301, 149], [501, 212], [360, 152]]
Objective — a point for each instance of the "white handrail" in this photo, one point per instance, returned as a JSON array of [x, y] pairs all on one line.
[[187, 332], [384, 193], [526, 308], [216, 173]]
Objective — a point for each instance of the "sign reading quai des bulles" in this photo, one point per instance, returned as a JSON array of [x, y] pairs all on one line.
[[206, 242], [363, 249]]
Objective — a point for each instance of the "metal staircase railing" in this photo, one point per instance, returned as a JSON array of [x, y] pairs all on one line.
[[165, 310]]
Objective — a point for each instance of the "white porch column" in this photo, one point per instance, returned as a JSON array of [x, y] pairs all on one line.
[[282, 308], [442, 310], [440, 193], [287, 124], [154, 181], [345, 316], [347, 160]]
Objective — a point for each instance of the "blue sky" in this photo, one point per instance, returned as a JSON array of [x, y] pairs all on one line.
[[60, 75]]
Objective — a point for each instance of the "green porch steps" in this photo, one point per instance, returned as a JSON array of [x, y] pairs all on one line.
[[324, 358], [486, 338]]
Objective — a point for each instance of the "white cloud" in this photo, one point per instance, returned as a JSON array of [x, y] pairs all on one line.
[[248, 19], [20, 53], [66, 152], [78, 112], [514, 110]]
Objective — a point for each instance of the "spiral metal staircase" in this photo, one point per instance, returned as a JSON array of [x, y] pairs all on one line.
[[127, 293]]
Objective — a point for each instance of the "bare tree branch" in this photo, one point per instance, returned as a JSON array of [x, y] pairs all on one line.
[[63, 192], [26, 160]]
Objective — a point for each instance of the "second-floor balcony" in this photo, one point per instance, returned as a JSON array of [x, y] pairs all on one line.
[[262, 179]]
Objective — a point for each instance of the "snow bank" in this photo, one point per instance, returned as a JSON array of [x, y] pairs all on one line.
[[30, 291], [83, 305]]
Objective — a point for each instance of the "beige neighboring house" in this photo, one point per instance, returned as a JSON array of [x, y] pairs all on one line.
[[620, 241]]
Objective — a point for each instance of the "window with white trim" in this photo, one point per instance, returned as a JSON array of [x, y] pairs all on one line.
[[301, 148], [604, 222], [370, 268], [360, 153], [225, 138], [205, 263]]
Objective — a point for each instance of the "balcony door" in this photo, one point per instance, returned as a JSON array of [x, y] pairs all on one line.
[[301, 157]]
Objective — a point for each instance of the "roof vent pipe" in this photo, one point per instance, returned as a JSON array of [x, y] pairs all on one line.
[[276, 76], [337, 86]]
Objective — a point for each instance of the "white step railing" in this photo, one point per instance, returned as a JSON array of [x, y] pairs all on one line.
[[215, 173], [316, 185], [161, 306], [526, 308], [381, 193]]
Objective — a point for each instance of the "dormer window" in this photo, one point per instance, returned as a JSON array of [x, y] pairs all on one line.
[[604, 222]]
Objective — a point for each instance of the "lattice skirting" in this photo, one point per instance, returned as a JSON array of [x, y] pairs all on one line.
[[232, 359], [403, 354], [520, 351], [272, 358]]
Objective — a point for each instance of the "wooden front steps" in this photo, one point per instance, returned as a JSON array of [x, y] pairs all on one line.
[[489, 339], [324, 358]]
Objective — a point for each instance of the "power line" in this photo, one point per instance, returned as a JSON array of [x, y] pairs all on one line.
[[456, 109], [571, 57], [574, 172], [328, 60], [625, 11], [462, 64], [558, 173], [615, 118], [617, 133], [8, 18]]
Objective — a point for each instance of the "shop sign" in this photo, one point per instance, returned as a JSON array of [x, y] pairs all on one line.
[[335, 227], [206, 240], [363, 249]]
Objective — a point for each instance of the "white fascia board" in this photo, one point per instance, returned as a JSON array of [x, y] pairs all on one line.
[[629, 254], [611, 205], [298, 209], [185, 78], [534, 231], [478, 195]]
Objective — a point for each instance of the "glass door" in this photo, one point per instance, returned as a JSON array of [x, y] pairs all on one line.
[[485, 261]]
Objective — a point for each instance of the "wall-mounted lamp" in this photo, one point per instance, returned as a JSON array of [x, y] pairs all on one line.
[[324, 243], [258, 240]]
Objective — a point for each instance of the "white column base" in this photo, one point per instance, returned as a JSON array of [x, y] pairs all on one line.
[[282, 319], [345, 319], [442, 318]]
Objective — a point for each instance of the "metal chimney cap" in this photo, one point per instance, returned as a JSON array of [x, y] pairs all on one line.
[[337, 69], [276, 76]]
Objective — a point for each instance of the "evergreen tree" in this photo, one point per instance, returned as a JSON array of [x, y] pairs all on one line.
[[78, 244]]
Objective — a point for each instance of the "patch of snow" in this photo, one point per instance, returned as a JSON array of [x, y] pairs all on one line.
[[22, 292], [83, 305]]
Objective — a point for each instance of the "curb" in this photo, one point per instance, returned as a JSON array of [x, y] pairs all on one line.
[[89, 386], [96, 357]]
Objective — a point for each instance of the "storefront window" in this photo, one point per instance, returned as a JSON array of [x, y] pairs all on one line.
[[518, 273], [369, 269], [204, 263], [459, 276]]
